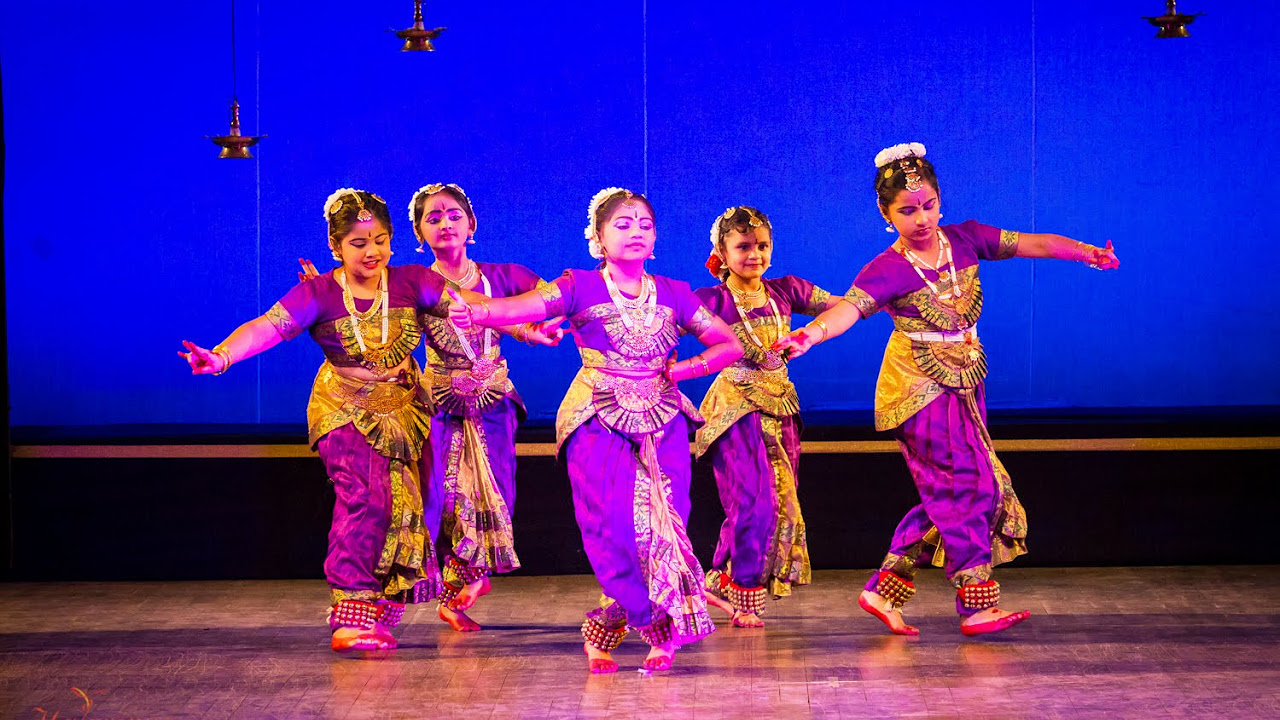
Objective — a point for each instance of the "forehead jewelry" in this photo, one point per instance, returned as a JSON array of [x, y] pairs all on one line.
[[363, 215], [914, 182]]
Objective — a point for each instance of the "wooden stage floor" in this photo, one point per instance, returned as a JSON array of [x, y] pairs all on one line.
[[1118, 642]]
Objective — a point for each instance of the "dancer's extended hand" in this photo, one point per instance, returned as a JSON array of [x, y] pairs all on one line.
[[796, 344], [547, 332], [459, 310], [1103, 258], [202, 362], [308, 271]]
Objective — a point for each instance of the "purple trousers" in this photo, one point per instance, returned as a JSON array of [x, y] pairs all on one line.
[[946, 450], [748, 489], [361, 563], [602, 468], [499, 424]]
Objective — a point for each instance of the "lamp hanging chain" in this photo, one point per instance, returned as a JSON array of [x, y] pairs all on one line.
[[235, 93]]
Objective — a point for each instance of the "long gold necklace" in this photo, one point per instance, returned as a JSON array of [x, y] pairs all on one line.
[[772, 358], [349, 302], [646, 305]]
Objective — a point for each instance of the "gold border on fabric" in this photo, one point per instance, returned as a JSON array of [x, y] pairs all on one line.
[[737, 392], [938, 315], [634, 407], [394, 417], [817, 302], [788, 558], [1009, 240], [403, 332], [283, 322], [902, 389], [457, 391], [860, 299], [552, 298], [476, 518], [671, 571]]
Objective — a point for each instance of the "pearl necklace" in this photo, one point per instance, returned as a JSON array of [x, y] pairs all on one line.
[[648, 297], [349, 302], [465, 281], [483, 363], [917, 262]]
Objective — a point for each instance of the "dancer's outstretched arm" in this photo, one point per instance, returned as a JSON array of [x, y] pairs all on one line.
[[251, 338], [833, 321], [1060, 247]]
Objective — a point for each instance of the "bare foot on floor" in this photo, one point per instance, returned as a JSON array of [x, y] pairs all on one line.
[[471, 593], [747, 620], [599, 662], [717, 601], [660, 657], [347, 639], [991, 620], [458, 620], [875, 604]]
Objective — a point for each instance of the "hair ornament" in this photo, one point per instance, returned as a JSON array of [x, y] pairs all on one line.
[[432, 189], [593, 241], [911, 170], [898, 152], [333, 203]]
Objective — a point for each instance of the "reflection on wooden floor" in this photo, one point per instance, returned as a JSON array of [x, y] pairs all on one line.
[[1117, 642]]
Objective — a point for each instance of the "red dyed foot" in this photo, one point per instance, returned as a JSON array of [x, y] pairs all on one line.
[[875, 604], [660, 657], [470, 594], [347, 640], [990, 621], [717, 601], [458, 620], [747, 620], [599, 662]]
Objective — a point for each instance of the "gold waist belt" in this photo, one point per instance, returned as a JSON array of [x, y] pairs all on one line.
[[754, 375], [378, 397]]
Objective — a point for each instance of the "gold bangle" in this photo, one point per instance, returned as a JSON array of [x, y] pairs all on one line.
[[488, 312], [1084, 252], [521, 332], [222, 352], [706, 369], [821, 326]]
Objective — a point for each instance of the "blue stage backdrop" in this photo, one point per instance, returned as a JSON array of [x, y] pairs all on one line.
[[124, 234]]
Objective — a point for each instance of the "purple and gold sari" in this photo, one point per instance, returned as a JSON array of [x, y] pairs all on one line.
[[752, 434], [472, 480], [371, 435], [930, 395], [626, 443]]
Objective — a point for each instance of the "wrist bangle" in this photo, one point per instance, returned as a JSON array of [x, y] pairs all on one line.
[[487, 311], [821, 325], [521, 332], [1083, 249], [706, 369], [222, 352]]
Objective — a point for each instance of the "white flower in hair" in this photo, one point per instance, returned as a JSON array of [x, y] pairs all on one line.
[[593, 242], [596, 200], [898, 152], [715, 228], [335, 197], [432, 189]]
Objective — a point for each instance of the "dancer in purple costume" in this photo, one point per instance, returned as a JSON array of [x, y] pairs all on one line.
[[752, 430], [472, 484], [368, 416], [624, 426], [930, 392]]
